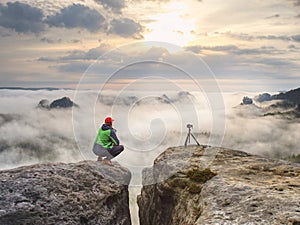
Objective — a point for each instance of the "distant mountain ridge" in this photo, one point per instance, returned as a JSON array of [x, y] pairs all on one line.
[[34, 89]]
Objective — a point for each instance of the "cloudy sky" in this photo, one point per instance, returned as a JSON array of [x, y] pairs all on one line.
[[248, 45]]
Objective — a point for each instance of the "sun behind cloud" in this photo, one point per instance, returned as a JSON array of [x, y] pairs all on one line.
[[173, 26]]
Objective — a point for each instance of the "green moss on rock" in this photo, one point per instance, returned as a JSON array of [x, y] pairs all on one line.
[[194, 188], [178, 182], [200, 176]]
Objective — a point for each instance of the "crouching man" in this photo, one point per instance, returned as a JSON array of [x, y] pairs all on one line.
[[107, 144]]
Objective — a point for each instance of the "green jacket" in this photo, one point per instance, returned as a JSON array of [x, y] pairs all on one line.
[[107, 137]]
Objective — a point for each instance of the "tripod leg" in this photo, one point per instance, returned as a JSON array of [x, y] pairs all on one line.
[[195, 139], [186, 140]]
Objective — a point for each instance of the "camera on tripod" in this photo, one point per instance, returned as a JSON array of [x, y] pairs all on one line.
[[188, 138], [189, 126]]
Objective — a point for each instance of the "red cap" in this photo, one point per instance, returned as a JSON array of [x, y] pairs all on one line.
[[108, 120]]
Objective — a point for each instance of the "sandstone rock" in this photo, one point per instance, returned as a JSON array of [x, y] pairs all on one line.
[[80, 193], [238, 188]]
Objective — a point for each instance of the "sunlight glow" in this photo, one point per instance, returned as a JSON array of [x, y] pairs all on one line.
[[174, 26]]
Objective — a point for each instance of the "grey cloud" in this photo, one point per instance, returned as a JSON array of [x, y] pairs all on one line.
[[273, 16], [21, 17], [116, 5], [235, 50], [150, 0], [248, 37], [74, 55], [274, 62], [77, 16], [47, 59], [78, 67], [194, 48], [249, 62], [50, 41], [199, 48], [126, 27], [296, 38], [295, 2], [5, 35], [95, 53], [78, 61], [292, 46], [241, 36], [75, 41], [274, 37], [157, 52], [92, 54]]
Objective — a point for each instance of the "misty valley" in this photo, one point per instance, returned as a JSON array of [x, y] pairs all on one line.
[[31, 132]]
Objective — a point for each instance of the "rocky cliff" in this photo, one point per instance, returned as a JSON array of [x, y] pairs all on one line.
[[80, 193], [61, 103], [237, 188]]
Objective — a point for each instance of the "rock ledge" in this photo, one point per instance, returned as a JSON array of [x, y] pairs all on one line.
[[76, 193], [240, 189]]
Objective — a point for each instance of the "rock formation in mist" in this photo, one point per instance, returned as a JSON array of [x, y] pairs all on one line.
[[247, 101], [285, 105], [78, 193], [263, 97], [289, 99], [291, 96], [64, 102], [237, 188]]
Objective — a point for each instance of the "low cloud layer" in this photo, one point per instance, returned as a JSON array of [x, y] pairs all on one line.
[[272, 136], [147, 124]]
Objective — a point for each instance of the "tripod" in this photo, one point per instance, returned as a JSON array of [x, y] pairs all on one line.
[[188, 138]]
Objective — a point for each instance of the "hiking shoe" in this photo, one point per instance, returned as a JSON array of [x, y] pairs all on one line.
[[100, 159], [107, 162]]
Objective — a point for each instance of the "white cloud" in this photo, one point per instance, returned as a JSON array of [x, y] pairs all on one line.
[[116, 5]]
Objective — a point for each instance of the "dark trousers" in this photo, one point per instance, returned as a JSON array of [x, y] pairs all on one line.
[[109, 153], [116, 150]]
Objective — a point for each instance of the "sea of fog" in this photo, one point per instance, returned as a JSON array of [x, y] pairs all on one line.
[[146, 124]]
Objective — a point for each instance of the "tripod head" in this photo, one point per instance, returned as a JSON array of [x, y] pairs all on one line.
[[190, 126]]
